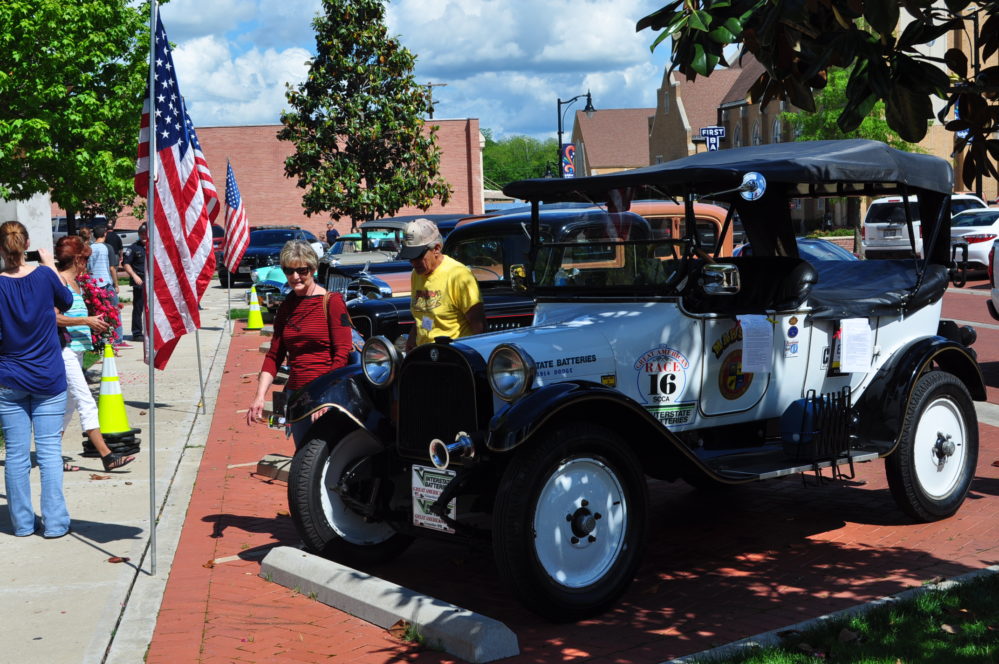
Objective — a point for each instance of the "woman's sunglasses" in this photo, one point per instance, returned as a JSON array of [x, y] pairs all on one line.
[[302, 271]]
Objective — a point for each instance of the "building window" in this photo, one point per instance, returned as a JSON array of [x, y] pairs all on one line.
[[737, 136], [757, 134], [659, 159], [776, 136], [665, 101]]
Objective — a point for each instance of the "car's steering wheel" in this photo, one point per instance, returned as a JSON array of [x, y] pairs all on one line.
[[494, 273]]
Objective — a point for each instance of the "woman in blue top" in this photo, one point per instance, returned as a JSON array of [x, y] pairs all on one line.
[[71, 260], [32, 382]]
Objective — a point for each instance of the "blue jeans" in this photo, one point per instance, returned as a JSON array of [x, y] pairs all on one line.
[[20, 412]]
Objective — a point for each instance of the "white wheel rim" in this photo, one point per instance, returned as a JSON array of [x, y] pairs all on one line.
[[349, 525], [940, 449], [574, 546]]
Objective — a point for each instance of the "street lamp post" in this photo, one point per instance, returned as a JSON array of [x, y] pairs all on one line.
[[588, 109]]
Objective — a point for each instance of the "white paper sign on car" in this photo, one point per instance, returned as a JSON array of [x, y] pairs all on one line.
[[428, 483], [757, 343], [857, 343]]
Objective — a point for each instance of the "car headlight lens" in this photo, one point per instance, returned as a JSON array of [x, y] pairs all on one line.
[[511, 371], [380, 360]]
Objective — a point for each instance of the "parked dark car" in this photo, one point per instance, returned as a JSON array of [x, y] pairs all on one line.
[[811, 249], [265, 248]]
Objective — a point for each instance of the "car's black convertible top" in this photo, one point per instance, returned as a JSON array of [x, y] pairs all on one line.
[[871, 167]]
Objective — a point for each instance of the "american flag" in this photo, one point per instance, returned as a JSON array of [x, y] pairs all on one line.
[[237, 230], [185, 205]]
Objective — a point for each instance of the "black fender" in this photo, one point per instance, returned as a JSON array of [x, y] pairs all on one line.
[[351, 400], [663, 454], [881, 408]]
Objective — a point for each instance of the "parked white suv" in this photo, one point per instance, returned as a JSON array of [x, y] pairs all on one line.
[[885, 234]]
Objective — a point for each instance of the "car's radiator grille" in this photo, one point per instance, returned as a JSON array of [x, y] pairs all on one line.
[[337, 283], [436, 400]]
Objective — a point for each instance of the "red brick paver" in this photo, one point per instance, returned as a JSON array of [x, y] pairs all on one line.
[[717, 568]]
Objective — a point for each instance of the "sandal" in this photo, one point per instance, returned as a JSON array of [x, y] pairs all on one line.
[[113, 461], [67, 467]]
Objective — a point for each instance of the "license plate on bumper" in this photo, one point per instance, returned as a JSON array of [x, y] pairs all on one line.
[[427, 485]]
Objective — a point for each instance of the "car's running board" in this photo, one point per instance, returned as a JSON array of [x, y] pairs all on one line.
[[768, 471]]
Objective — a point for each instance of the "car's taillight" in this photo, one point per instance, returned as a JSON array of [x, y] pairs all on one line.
[[992, 266], [975, 238], [863, 233]]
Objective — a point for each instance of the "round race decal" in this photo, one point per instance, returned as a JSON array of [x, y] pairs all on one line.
[[732, 383], [662, 375]]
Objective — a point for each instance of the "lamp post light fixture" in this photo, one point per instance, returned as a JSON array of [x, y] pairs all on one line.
[[588, 109]]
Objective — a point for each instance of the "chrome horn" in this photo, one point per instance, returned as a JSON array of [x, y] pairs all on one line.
[[440, 453]]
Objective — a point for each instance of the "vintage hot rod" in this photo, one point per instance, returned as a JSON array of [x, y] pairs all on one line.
[[653, 357]]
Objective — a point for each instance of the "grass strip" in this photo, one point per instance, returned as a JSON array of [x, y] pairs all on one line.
[[958, 624]]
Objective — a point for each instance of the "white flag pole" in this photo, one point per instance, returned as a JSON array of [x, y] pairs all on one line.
[[151, 236]]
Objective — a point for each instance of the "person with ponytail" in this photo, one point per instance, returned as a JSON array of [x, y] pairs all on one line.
[[71, 256], [32, 383]]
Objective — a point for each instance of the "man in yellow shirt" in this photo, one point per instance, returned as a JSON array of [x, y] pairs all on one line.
[[445, 298]]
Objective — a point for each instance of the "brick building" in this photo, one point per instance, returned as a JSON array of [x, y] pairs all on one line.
[[257, 158]]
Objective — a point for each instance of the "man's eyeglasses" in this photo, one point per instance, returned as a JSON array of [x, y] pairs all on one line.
[[302, 271]]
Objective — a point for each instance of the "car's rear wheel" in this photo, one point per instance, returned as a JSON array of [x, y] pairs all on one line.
[[569, 522], [930, 472], [320, 474]]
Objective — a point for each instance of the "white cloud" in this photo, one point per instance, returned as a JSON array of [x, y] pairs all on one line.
[[505, 62], [245, 89]]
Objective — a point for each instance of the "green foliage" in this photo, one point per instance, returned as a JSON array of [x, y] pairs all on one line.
[[516, 158], [72, 76], [799, 42], [357, 121], [823, 123]]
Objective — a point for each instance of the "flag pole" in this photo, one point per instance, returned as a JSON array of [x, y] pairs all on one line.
[[201, 377], [150, 293]]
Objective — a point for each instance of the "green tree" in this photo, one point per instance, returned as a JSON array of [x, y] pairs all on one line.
[[516, 158], [361, 148], [798, 42], [72, 76]]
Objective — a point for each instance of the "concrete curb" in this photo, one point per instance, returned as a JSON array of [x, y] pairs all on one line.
[[459, 632], [772, 638]]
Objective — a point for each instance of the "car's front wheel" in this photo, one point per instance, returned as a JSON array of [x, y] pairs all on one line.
[[321, 475], [931, 470], [569, 522]]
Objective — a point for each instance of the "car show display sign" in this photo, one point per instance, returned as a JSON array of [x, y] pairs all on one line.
[[428, 483], [712, 136]]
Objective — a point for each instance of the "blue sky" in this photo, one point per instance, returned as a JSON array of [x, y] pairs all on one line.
[[505, 62]]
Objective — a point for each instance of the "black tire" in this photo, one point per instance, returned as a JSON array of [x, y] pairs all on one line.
[[930, 471], [323, 522], [534, 499]]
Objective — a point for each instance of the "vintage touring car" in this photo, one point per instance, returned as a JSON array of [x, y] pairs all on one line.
[[653, 357]]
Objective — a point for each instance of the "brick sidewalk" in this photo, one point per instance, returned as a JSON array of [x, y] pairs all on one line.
[[717, 568]]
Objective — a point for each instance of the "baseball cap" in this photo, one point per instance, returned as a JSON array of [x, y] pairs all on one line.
[[420, 235]]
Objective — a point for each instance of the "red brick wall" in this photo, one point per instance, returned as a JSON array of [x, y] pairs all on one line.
[[271, 198]]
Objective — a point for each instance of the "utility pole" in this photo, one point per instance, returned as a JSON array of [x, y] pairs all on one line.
[[430, 93]]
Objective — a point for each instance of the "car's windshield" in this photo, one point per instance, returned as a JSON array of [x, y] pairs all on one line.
[[381, 239], [605, 250], [489, 256], [975, 218], [345, 244], [271, 238]]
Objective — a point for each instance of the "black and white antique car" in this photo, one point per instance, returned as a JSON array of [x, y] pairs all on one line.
[[653, 357]]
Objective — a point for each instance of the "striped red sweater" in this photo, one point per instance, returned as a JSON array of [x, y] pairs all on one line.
[[301, 333]]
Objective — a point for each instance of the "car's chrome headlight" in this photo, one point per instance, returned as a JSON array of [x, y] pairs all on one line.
[[511, 371], [380, 361]]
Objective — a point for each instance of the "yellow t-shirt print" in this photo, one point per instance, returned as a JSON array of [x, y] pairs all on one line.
[[439, 301]]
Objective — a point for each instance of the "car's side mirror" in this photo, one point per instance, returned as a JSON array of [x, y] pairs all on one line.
[[518, 275], [720, 279]]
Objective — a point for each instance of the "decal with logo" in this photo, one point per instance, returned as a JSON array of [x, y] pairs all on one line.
[[562, 366], [662, 375], [674, 415], [732, 383], [791, 349], [732, 336]]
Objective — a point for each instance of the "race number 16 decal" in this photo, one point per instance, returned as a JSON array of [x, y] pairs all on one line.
[[662, 375]]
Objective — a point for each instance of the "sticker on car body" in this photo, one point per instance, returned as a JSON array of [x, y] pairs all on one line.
[[662, 375]]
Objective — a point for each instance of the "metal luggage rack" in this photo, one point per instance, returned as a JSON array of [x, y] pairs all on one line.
[[829, 441]]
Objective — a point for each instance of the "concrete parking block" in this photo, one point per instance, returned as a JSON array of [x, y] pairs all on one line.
[[274, 466], [462, 633]]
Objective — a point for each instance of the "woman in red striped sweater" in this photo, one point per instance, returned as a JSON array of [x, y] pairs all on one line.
[[315, 342]]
